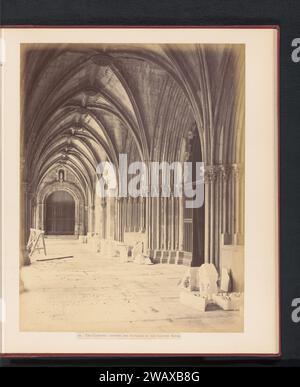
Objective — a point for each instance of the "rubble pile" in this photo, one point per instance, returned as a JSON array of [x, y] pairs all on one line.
[[202, 286]]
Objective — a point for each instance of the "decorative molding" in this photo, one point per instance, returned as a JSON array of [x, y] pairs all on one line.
[[222, 171]]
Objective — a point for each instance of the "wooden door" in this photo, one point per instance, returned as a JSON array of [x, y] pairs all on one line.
[[60, 214]]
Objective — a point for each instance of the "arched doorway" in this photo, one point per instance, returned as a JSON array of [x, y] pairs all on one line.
[[60, 214]]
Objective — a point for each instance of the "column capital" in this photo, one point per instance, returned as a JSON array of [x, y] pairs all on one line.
[[236, 170], [210, 173], [222, 171]]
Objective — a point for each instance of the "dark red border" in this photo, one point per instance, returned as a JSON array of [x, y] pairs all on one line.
[[148, 355]]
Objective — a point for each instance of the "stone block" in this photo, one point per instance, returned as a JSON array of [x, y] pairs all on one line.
[[208, 277], [172, 257], [225, 280], [232, 257], [194, 278], [142, 259], [193, 299], [164, 256], [229, 301], [123, 252], [156, 256], [179, 257]]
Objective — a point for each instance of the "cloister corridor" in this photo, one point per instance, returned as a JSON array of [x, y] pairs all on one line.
[[132, 151]]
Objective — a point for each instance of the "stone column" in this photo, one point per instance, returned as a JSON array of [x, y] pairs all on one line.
[[218, 204], [103, 218], [207, 188], [165, 222], [125, 208], [223, 193], [180, 222], [97, 215], [91, 215], [130, 228], [136, 214], [121, 226], [111, 208], [24, 257], [153, 223], [147, 223], [172, 220], [176, 222], [142, 214], [116, 219], [211, 226], [236, 202], [156, 221], [133, 215], [39, 216], [241, 198], [229, 204]]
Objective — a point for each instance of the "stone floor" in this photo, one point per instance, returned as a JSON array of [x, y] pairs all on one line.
[[91, 293]]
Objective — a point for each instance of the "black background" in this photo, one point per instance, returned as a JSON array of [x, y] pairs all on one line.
[[285, 14]]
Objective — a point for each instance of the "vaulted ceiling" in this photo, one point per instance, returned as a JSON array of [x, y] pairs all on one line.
[[83, 104]]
